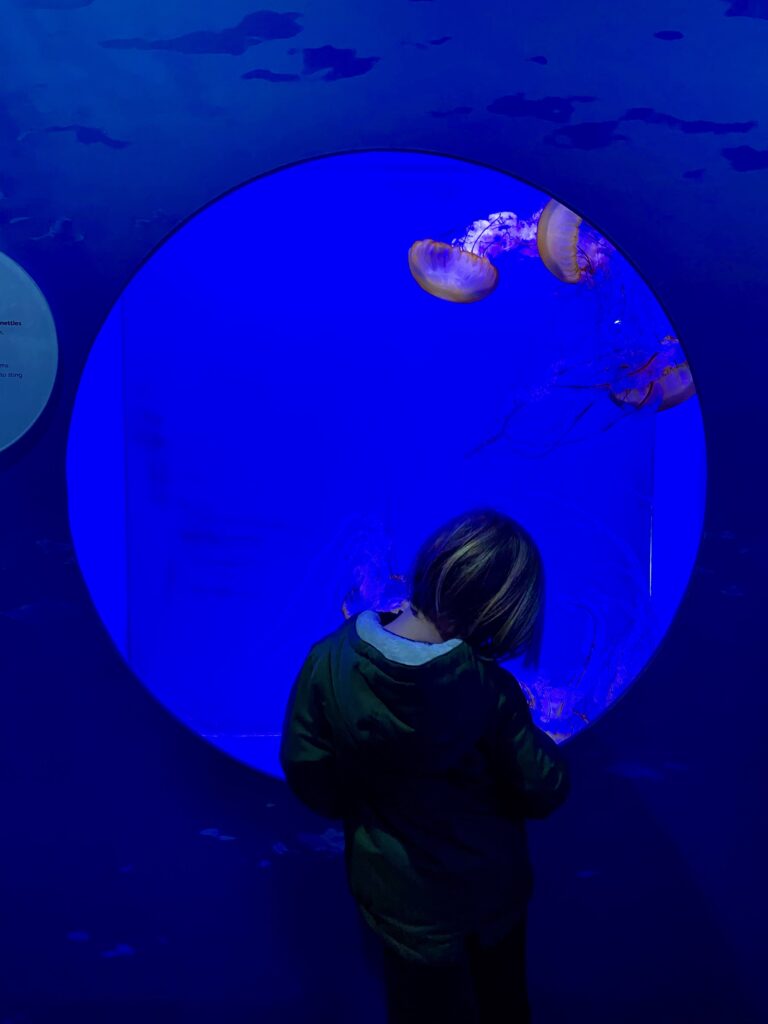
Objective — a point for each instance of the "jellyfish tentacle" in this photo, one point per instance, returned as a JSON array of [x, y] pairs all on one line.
[[489, 225], [608, 361], [574, 683], [621, 398], [585, 387], [564, 440], [583, 253], [580, 415], [645, 365], [508, 232], [499, 433], [619, 419]]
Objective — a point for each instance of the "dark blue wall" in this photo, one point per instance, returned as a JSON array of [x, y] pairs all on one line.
[[116, 122]]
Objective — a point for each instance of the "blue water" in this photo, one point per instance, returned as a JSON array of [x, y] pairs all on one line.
[[275, 415]]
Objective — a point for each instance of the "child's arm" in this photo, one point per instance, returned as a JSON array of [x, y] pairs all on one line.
[[307, 754], [525, 760]]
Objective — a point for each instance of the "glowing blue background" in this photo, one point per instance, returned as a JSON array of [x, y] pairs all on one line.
[[273, 401]]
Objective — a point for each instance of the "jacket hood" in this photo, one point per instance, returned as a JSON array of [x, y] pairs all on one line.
[[401, 704]]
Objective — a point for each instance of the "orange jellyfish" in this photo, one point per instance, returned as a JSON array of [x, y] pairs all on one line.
[[634, 382], [450, 273], [557, 239], [658, 382], [661, 382]]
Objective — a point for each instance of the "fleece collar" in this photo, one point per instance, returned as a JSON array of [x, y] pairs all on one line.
[[398, 648]]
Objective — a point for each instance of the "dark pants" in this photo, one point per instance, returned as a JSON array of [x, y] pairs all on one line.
[[487, 986]]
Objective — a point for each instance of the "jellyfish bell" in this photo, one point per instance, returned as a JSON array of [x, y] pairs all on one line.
[[675, 381], [451, 273], [676, 387], [557, 239], [571, 255]]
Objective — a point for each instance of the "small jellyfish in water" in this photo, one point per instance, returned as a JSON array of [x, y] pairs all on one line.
[[570, 258], [661, 382], [450, 273], [653, 382], [634, 381]]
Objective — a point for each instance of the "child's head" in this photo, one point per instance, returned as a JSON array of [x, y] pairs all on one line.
[[480, 577]]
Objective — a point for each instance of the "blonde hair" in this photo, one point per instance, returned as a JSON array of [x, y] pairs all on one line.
[[480, 577]]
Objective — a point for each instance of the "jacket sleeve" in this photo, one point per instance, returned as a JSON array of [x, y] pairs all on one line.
[[529, 765], [307, 754]]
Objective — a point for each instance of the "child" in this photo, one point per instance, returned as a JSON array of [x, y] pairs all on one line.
[[407, 729]]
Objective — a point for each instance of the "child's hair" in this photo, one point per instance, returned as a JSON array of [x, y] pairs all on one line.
[[480, 577]]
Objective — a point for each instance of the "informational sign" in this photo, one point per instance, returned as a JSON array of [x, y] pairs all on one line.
[[29, 352]]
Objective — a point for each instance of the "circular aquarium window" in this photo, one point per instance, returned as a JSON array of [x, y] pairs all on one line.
[[317, 369]]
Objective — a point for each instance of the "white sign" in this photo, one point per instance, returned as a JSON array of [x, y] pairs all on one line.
[[29, 352]]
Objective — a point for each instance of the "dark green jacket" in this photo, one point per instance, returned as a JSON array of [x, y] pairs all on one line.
[[428, 754]]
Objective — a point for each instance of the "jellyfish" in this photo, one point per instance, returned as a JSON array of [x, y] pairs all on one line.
[[661, 382], [451, 273], [634, 381], [462, 271], [558, 240], [655, 382]]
